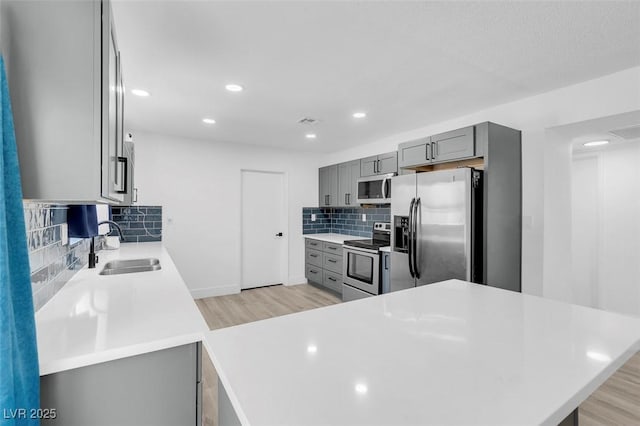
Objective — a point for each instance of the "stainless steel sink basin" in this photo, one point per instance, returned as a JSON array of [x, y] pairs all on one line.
[[129, 266]]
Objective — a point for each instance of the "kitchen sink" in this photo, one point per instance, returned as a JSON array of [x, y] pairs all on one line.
[[129, 266]]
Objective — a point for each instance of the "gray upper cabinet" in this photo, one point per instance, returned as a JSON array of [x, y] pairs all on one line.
[[63, 64], [453, 145], [369, 166], [379, 164], [414, 152], [328, 186], [457, 144], [348, 174]]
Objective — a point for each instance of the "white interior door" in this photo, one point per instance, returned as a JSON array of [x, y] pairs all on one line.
[[264, 229]]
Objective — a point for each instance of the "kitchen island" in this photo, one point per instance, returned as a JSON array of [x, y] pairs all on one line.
[[445, 353], [116, 349]]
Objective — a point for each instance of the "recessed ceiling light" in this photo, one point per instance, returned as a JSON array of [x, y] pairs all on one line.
[[310, 136], [208, 121], [596, 143], [140, 92], [234, 87], [359, 114]]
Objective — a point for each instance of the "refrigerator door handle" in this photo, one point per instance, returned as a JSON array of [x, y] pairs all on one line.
[[414, 250], [410, 245]]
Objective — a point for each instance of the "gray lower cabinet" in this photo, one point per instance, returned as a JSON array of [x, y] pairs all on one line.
[[328, 186], [324, 264], [157, 388], [348, 175]]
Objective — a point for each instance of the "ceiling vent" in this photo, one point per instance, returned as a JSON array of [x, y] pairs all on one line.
[[308, 121], [627, 133]]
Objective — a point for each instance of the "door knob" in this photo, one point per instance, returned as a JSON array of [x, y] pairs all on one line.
[[279, 234]]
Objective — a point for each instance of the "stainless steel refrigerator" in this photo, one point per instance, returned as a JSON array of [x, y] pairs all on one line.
[[436, 227]]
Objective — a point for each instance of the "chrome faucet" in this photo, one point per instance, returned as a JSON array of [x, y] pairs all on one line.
[[110, 222]]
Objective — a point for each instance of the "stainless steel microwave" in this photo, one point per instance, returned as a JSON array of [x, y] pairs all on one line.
[[375, 189]]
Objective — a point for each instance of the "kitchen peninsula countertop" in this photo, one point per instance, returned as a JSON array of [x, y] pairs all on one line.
[[446, 353], [333, 238], [96, 318]]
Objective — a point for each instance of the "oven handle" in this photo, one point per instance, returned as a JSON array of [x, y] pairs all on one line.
[[410, 245], [416, 267]]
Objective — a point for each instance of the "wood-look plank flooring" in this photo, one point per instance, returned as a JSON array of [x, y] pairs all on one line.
[[616, 402]]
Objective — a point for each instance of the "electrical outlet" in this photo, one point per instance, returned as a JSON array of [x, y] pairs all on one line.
[[364, 217], [313, 217]]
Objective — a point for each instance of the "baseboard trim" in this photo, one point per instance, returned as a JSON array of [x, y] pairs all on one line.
[[201, 293], [297, 280]]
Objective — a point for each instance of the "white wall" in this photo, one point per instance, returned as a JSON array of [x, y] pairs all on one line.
[[544, 164], [606, 228], [198, 184]]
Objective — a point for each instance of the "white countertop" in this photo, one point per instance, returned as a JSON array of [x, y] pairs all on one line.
[[334, 238], [446, 353], [96, 318]]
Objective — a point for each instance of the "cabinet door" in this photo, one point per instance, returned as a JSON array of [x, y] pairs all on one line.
[[352, 196], [369, 166], [332, 185], [344, 184], [322, 187], [453, 145], [388, 163], [414, 153]]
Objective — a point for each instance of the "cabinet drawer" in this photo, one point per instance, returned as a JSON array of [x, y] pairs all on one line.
[[313, 257], [332, 248], [332, 262], [313, 244], [333, 281], [313, 273]]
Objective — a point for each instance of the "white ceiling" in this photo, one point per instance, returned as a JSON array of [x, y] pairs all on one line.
[[407, 64]]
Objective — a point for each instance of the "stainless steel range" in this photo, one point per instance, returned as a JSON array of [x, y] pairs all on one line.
[[361, 266]]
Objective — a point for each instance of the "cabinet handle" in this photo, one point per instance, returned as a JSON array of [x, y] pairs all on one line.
[[332, 248], [349, 198], [378, 166], [345, 198], [135, 195], [428, 151], [331, 260], [434, 151], [332, 279], [312, 271], [122, 184], [313, 244], [328, 200], [313, 255]]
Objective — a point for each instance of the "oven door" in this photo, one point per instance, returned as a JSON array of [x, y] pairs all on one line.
[[361, 269]]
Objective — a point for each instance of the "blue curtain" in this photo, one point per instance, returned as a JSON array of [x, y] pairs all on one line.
[[19, 375]]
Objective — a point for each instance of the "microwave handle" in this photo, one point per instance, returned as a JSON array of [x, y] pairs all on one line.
[[385, 187]]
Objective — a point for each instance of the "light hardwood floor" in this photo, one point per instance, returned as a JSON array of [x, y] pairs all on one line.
[[616, 402]]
